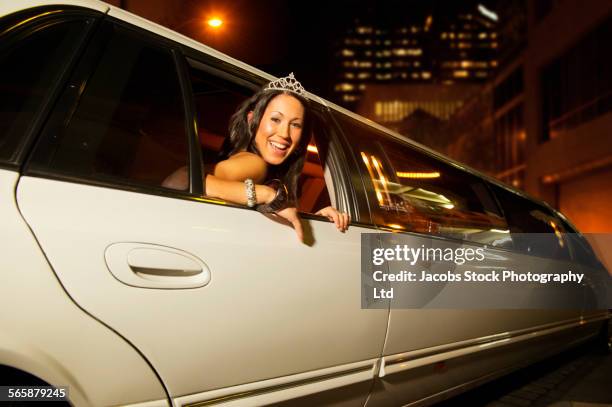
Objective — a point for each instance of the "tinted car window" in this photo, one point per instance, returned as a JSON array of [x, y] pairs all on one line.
[[32, 56], [548, 233], [415, 192], [127, 124]]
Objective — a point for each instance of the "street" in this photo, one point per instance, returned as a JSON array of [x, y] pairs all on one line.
[[578, 377]]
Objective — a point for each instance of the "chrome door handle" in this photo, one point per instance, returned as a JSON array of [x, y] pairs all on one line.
[[154, 266], [161, 262]]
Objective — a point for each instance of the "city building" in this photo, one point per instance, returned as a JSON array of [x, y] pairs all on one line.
[[419, 110], [548, 114], [444, 46], [567, 98]]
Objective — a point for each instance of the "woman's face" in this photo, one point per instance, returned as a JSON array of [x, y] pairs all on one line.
[[280, 129]]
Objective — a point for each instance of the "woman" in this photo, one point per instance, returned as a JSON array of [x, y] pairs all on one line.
[[264, 155]]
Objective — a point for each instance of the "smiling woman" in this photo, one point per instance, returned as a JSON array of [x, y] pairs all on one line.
[[264, 155]]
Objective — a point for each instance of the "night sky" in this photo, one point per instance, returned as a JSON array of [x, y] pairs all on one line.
[[281, 36]]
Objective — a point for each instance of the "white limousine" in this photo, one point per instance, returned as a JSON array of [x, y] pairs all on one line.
[[127, 292]]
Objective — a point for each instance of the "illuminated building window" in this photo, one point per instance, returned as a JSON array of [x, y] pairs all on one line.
[[417, 63], [397, 110], [428, 22], [482, 36], [493, 45], [349, 75], [347, 53], [363, 75], [493, 35], [426, 75], [451, 36], [361, 86], [387, 42], [414, 29], [443, 36], [364, 30], [365, 64], [493, 63], [464, 45], [481, 74], [461, 74], [368, 53], [349, 98], [387, 65], [383, 76], [415, 75], [344, 87], [414, 51], [367, 42]]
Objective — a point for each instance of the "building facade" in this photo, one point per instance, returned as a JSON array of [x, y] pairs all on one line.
[[567, 69], [433, 48]]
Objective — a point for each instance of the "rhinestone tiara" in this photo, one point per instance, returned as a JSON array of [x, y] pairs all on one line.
[[288, 83]]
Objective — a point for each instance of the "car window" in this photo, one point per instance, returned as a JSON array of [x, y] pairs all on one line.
[[33, 52], [127, 124], [415, 192], [535, 228], [216, 98]]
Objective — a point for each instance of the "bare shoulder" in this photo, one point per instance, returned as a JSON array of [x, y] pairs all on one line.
[[241, 166]]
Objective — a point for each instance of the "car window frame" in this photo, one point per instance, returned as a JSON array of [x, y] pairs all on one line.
[[52, 14], [81, 72], [343, 191]]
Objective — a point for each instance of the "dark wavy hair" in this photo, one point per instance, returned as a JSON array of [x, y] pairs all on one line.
[[242, 137]]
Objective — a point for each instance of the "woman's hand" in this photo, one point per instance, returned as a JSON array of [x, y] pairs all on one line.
[[291, 215], [341, 219]]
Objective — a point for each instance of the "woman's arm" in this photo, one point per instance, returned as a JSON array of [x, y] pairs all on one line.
[[227, 182], [235, 191]]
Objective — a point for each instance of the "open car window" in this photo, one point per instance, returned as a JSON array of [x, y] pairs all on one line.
[[216, 99]]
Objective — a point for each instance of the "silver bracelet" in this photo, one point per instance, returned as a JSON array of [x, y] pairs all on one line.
[[250, 192]]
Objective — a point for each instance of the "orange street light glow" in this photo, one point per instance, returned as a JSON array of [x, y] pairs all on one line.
[[215, 22]]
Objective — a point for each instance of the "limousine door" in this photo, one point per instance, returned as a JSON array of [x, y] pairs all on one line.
[[440, 334], [223, 302]]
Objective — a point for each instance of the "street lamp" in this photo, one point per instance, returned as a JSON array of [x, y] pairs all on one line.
[[215, 22]]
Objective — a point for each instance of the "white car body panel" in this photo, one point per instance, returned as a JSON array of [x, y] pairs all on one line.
[[46, 334], [273, 308]]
